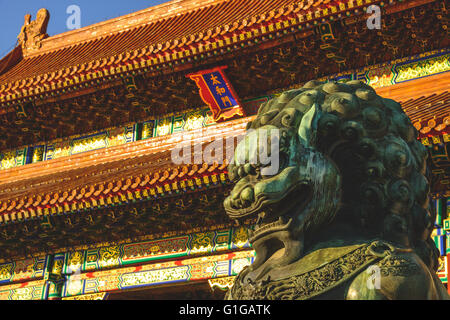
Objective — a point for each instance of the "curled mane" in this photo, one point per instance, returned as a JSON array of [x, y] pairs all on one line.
[[382, 164]]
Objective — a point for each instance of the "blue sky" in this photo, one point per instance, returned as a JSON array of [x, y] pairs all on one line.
[[92, 11]]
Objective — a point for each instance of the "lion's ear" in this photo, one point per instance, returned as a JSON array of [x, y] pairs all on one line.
[[308, 125]]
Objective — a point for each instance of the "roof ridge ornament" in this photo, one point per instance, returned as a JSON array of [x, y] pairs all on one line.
[[33, 32]]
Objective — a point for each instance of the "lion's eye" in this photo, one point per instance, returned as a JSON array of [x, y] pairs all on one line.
[[372, 172], [265, 119]]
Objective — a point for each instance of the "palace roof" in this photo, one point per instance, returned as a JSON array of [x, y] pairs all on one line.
[[174, 31], [146, 164], [105, 173], [78, 81], [134, 67], [171, 28], [109, 184], [83, 191], [427, 106]]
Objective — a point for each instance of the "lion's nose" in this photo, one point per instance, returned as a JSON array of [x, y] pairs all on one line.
[[244, 198], [247, 195]]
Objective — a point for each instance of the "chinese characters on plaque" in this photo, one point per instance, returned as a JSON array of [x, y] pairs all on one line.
[[217, 92]]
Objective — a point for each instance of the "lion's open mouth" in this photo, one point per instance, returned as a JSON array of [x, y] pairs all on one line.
[[277, 217], [275, 214], [262, 229]]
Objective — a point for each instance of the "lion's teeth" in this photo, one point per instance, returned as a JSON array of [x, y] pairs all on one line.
[[282, 222]]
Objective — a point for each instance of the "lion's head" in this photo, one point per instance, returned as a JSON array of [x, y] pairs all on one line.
[[330, 160]]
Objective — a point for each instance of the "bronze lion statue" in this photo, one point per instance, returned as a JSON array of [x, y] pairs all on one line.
[[342, 208]]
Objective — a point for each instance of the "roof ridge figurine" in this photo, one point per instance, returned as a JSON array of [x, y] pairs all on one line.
[[33, 32]]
